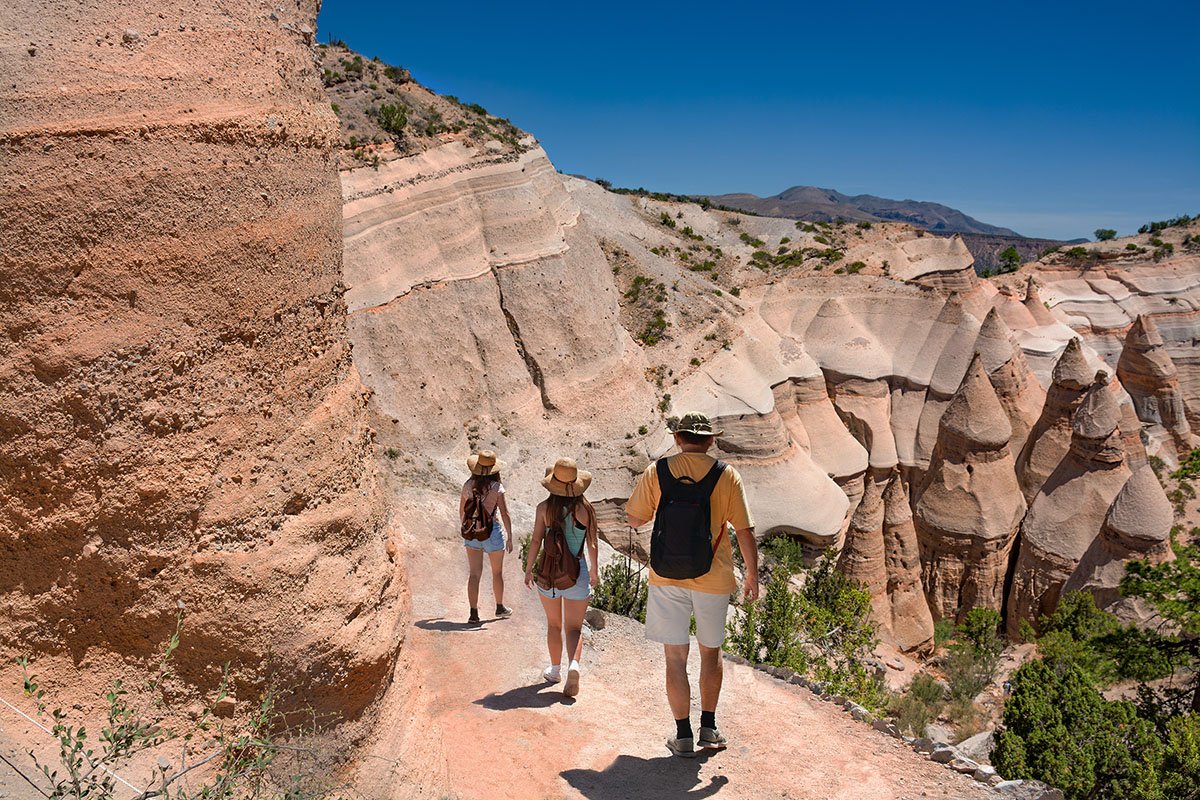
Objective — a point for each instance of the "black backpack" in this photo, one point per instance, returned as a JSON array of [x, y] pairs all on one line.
[[681, 544]]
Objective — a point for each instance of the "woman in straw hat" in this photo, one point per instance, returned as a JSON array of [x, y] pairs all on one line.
[[565, 513], [485, 484]]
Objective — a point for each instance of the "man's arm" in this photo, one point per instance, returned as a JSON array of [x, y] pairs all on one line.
[[635, 522], [748, 544]]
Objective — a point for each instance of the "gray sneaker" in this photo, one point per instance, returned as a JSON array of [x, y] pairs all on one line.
[[712, 737], [684, 748]]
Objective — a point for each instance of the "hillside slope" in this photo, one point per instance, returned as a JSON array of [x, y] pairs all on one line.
[[813, 204]]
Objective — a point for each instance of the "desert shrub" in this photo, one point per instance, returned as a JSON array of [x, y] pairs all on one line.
[[1154, 227], [665, 219], [752, 241], [1077, 253], [736, 291], [824, 631], [695, 362], [259, 755], [393, 117], [855, 267], [1105, 234], [622, 588], [1010, 259], [1131, 246], [943, 631], [915, 709], [1155, 241], [864, 225]]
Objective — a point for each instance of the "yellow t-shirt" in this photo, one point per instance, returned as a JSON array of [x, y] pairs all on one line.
[[728, 506]]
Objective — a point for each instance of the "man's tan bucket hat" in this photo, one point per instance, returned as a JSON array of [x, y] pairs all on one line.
[[697, 423], [485, 463], [566, 479]]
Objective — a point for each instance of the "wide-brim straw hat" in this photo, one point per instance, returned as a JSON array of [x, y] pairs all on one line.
[[485, 463], [566, 479]]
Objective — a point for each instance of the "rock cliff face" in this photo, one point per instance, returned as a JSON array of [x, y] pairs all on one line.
[[911, 623], [1148, 374], [971, 505], [1050, 439], [181, 424], [1069, 511]]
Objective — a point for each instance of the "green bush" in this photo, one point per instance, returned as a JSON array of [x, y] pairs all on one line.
[[920, 705], [393, 117], [824, 631], [1105, 234], [622, 589]]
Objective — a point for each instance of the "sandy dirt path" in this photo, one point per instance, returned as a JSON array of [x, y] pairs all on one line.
[[496, 730]]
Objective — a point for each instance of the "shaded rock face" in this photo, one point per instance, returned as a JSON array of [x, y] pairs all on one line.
[[971, 505], [1070, 509], [1049, 440], [863, 556], [911, 624], [1147, 372], [1018, 391], [1137, 526], [180, 420]]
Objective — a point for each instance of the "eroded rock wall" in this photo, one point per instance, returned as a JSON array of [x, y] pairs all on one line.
[[181, 423]]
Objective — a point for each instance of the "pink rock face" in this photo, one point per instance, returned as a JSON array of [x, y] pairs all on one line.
[[971, 505], [1016, 387], [1147, 372], [180, 421], [911, 624], [1050, 438], [1137, 526], [1068, 512], [863, 558]]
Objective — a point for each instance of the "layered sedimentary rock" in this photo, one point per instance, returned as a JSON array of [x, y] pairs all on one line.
[[911, 624], [181, 425], [1068, 512], [1102, 301], [1050, 439], [971, 506], [1148, 374]]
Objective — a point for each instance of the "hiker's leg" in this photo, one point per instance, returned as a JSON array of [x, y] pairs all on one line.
[[574, 622], [475, 564], [497, 559], [679, 693], [711, 673], [710, 611], [554, 625]]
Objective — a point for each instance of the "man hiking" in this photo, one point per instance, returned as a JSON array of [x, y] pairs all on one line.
[[693, 499]]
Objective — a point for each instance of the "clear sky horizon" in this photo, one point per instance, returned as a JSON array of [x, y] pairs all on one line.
[[1052, 119]]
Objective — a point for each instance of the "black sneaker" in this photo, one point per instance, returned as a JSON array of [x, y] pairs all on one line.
[[503, 612], [474, 618]]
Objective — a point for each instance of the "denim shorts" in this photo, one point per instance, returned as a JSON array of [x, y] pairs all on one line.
[[580, 591], [493, 544]]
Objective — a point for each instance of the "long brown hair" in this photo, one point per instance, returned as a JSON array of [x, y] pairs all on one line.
[[484, 482], [557, 504]]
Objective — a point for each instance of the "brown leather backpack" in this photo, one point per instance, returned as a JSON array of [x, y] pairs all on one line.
[[477, 520], [557, 566]]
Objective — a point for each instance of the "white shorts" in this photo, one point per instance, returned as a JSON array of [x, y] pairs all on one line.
[[669, 611]]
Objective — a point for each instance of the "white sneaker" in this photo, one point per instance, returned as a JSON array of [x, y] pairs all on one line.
[[571, 688], [552, 673]]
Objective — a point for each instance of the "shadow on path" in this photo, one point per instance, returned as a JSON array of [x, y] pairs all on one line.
[[665, 778], [538, 695], [449, 625]]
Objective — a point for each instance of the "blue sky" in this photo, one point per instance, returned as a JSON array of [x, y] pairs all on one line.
[[1051, 118]]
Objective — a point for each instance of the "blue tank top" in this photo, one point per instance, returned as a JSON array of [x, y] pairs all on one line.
[[573, 533]]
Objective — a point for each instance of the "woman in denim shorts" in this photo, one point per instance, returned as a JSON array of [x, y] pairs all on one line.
[[485, 478], [568, 512]]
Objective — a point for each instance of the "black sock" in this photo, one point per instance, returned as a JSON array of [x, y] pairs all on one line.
[[683, 728], [708, 719], [474, 612]]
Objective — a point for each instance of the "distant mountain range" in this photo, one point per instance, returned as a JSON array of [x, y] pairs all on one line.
[[826, 205]]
